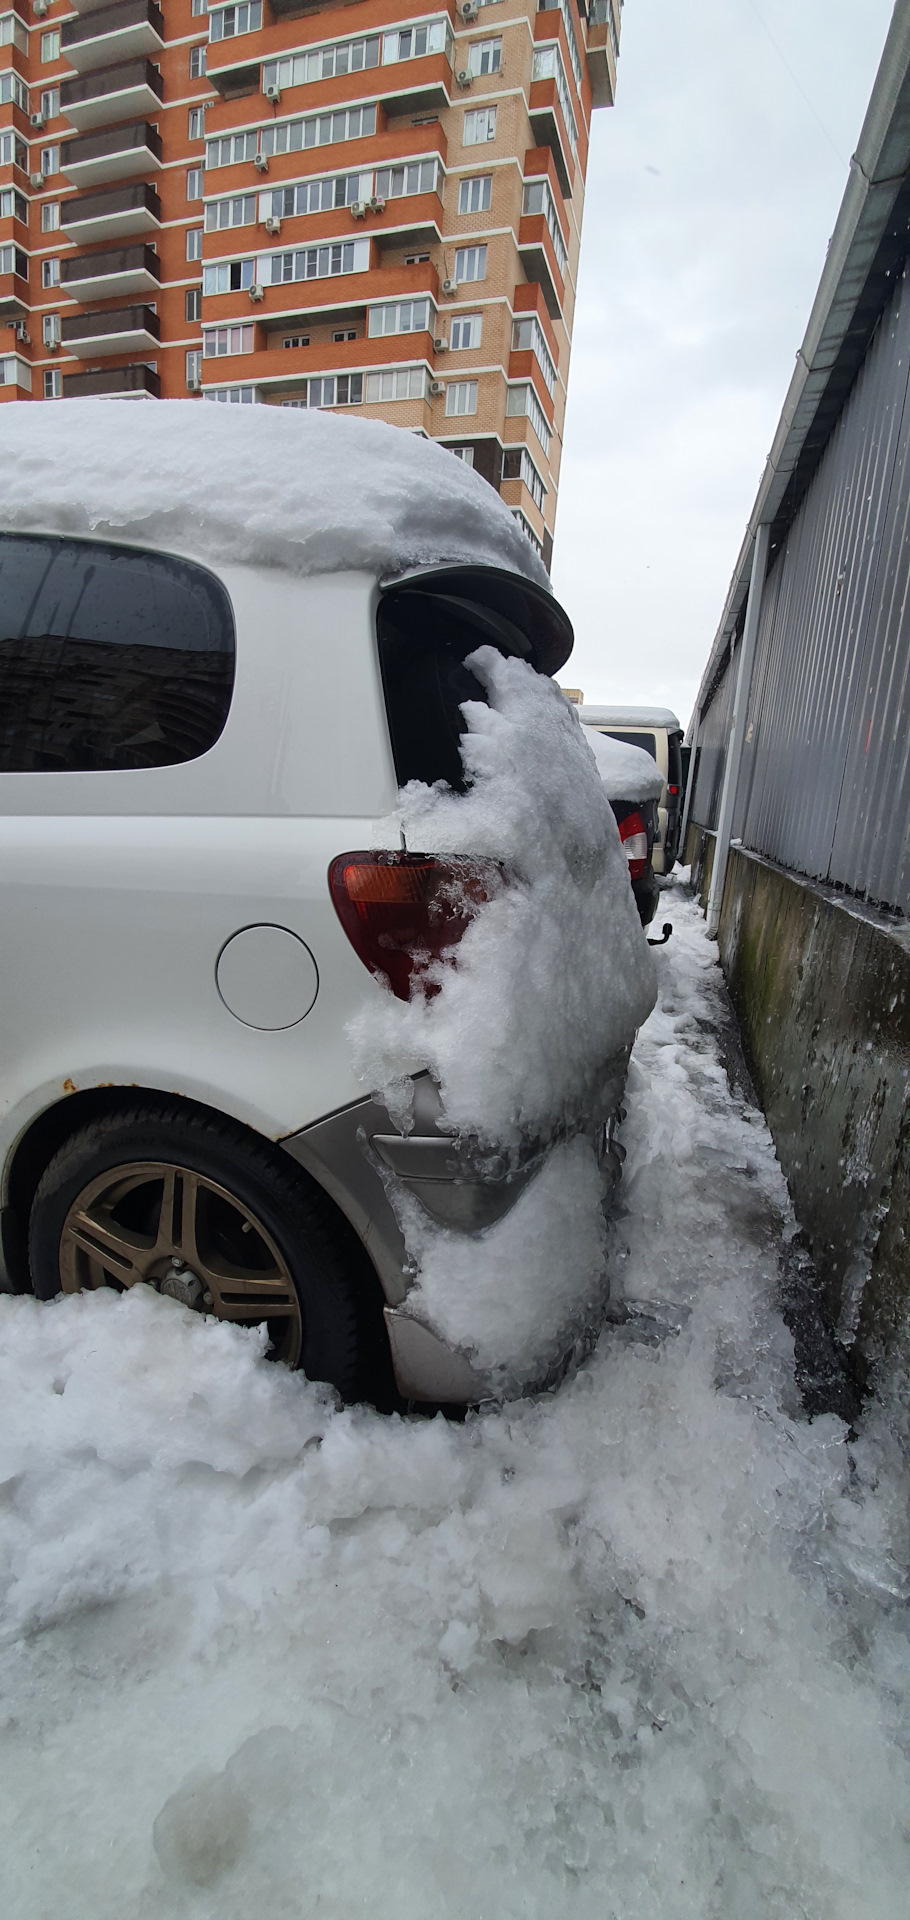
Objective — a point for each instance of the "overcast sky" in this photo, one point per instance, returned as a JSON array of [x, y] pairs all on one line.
[[713, 188]]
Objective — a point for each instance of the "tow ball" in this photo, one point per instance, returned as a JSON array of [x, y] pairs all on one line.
[[665, 935]]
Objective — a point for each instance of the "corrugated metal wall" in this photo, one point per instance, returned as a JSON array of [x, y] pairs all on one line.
[[825, 780], [711, 751]]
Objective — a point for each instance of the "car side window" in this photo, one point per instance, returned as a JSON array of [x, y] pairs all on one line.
[[110, 657]]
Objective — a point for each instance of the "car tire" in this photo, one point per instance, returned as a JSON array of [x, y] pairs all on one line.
[[203, 1210]]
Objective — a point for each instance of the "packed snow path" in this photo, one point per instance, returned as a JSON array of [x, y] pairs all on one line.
[[632, 1650]]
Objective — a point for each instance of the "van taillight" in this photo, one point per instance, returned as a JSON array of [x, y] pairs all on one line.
[[402, 910], [634, 837]]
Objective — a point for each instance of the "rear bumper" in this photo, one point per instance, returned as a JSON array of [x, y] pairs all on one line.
[[361, 1158]]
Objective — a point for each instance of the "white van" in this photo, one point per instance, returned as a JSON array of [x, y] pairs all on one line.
[[658, 731]]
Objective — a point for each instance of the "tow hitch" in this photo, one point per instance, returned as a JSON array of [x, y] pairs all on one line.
[[665, 935]]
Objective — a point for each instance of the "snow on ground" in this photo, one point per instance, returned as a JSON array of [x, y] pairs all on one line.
[[628, 1652]]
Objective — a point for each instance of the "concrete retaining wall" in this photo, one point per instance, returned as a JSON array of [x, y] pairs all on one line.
[[821, 988]]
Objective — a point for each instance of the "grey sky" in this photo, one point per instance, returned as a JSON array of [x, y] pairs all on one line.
[[713, 188]]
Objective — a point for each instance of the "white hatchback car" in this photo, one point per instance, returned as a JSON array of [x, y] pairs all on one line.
[[193, 751]]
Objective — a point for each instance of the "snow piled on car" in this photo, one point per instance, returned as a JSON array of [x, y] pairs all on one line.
[[634, 1649], [268, 486], [627, 772], [528, 1036]]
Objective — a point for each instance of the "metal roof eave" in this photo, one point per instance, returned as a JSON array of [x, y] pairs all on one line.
[[869, 239]]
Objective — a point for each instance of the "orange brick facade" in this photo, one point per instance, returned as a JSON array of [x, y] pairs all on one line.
[[358, 204]]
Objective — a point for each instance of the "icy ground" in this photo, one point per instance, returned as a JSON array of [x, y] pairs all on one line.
[[633, 1650]]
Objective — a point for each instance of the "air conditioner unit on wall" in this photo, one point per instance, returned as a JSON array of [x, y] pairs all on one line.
[[450, 286], [257, 292], [273, 224], [37, 119], [358, 209], [194, 386], [469, 9], [463, 77], [37, 179], [441, 345], [377, 203], [41, 7], [437, 387], [261, 162], [273, 94]]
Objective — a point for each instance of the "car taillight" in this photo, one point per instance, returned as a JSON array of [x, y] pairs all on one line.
[[402, 910], [634, 837]]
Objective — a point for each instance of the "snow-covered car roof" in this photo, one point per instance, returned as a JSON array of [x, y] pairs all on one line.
[[270, 486], [628, 773], [630, 717]]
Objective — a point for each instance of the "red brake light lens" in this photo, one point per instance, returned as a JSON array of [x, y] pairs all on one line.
[[401, 911], [634, 837]]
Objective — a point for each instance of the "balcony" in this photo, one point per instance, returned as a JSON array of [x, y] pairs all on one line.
[[602, 50], [107, 216], [13, 297], [549, 130], [290, 367], [121, 330], [138, 380], [112, 93], [104, 276], [111, 156], [538, 257], [116, 33], [344, 298]]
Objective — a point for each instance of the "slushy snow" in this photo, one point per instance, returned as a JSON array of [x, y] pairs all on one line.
[[529, 1034], [633, 1650], [265, 486]]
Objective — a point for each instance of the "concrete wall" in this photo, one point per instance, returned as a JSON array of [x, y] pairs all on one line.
[[821, 988]]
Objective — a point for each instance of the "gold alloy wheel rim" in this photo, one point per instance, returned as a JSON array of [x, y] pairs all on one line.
[[187, 1237]]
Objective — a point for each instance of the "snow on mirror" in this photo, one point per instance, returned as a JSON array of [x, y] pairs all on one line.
[[529, 1034]]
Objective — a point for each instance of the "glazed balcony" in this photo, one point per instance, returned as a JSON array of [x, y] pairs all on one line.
[[549, 130], [538, 258], [601, 52], [119, 330], [291, 366], [133, 87], [117, 155], [339, 301], [106, 276], [111, 34], [409, 220], [13, 297], [137, 380], [107, 216]]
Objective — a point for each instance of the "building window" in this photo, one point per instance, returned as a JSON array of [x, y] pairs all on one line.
[[225, 23], [196, 128], [479, 125], [485, 56], [194, 243], [537, 198], [244, 396], [50, 103], [322, 63], [193, 368], [523, 399], [461, 396], [465, 331], [345, 333], [470, 263], [50, 46], [193, 304], [474, 195], [231, 151], [50, 329], [419, 177], [518, 465], [197, 62], [13, 150], [296, 340], [12, 33], [316, 263], [228, 340], [400, 316], [528, 337], [319, 130], [50, 216], [240, 211], [50, 160], [13, 205], [404, 383], [527, 529], [194, 183], [229, 276], [50, 271], [412, 43], [335, 390], [13, 89], [53, 384], [15, 373], [198, 7], [464, 454], [415, 259]]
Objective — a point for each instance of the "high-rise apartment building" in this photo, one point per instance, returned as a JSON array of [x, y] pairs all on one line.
[[332, 203]]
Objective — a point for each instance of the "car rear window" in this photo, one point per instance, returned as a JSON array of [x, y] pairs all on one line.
[[646, 741], [110, 657]]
